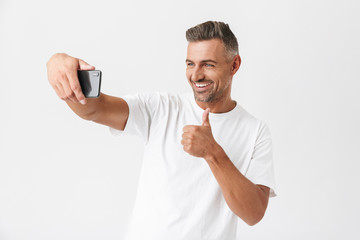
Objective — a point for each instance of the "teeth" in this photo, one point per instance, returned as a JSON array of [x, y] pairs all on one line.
[[202, 85]]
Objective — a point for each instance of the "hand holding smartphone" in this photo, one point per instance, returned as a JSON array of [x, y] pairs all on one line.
[[90, 82]]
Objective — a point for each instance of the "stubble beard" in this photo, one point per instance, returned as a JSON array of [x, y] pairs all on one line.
[[212, 96], [204, 97]]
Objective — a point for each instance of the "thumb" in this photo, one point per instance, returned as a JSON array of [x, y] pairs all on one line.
[[205, 118], [85, 66]]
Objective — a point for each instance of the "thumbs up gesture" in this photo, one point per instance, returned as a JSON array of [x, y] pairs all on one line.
[[197, 140], [205, 118]]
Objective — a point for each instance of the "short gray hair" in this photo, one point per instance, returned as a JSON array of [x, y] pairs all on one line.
[[212, 30]]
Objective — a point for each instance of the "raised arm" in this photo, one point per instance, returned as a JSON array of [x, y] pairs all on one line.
[[62, 75]]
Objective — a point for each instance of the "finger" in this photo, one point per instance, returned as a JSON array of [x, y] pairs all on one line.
[[57, 90], [85, 66], [60, 91], [186, 148], [186, 135], [188, 128], [205, 118], [186, 141], [75, 87], [69, 94]]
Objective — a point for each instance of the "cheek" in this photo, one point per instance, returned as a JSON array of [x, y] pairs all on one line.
[[188, 74], [212, 75], [223, 77]]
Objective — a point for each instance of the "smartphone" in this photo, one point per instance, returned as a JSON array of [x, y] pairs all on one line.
[[90, 82]]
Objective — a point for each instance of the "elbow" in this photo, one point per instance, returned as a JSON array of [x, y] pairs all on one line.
[[254, 219], [91, 116], [257, 214]]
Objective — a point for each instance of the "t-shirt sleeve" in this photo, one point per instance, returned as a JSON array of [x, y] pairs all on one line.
[[261, 167], [142, 108]]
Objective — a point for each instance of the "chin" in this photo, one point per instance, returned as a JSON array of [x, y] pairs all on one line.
[[207, 98]]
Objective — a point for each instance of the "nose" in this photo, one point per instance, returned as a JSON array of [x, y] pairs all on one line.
[[197, 74]]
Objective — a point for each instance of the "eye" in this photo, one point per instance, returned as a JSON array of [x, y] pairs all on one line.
[[209, 65], [190, 64]]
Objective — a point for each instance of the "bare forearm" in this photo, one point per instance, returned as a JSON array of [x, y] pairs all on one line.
[[89, 110], [245, 199], [107, 110]]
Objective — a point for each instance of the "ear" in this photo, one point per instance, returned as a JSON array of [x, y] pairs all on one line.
[[235, 64]]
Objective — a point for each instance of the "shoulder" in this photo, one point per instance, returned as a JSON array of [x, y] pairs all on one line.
[[157, 101], [157, 96], [165, 98], [257, 125]]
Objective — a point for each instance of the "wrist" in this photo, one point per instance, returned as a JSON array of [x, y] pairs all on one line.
[[215, 155]]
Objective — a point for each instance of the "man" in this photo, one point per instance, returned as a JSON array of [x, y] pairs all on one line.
[[206, 161]]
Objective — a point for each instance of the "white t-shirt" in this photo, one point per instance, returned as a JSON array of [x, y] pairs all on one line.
[[178, 197]]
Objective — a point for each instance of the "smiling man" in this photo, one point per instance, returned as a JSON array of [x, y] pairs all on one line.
[[207, 161]]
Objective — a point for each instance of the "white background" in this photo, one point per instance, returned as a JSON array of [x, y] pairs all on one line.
[[64, 178]]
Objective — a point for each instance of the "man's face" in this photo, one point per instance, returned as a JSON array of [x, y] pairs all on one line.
[[209, 70]]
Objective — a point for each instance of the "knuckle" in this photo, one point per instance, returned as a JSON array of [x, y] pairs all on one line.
[[71, 95], [61, 77], [70, 64], [65, 95], [68, 94], [68, 70], [75, 87], [60, 55], [58, 86]]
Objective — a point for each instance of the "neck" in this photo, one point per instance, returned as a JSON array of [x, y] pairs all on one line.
[[218, 106]]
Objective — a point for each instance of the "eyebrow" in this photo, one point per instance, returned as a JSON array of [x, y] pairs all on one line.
[[203, 61]]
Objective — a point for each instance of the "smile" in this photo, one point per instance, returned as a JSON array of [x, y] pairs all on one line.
[[202, 84]]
